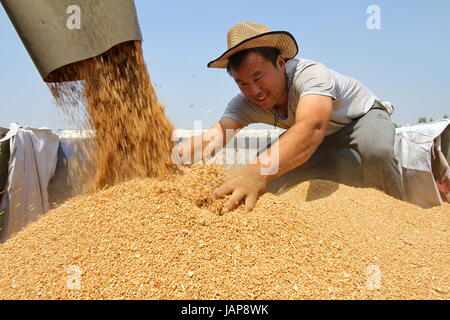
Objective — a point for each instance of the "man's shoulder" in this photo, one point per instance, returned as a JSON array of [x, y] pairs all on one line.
[[303, 70], [296, 66]]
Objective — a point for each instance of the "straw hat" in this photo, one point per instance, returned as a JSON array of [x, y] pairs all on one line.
[[247, 35]]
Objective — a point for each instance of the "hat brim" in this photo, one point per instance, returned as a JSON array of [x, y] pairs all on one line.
[[282, 40]]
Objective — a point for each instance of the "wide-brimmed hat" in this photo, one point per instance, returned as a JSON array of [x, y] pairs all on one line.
[[247, 35]]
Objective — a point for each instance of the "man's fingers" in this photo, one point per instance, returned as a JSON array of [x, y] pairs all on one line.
[[234, 201], [250, 202], [222, 191], [181, 156], [175, 156], [180, 151]]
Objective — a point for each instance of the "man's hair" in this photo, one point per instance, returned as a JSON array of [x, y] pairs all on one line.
[[269, 53]]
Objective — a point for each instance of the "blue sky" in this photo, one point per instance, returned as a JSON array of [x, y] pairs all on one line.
[[407, 62]]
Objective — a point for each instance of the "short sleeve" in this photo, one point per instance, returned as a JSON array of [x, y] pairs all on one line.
[[314, 78], [241, 111]]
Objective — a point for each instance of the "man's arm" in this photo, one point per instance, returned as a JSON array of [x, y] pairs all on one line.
[[209, 143], [295, 147], [299, 143]]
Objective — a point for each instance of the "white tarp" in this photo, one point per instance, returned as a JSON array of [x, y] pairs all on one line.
[[415, 149], [31, 166]]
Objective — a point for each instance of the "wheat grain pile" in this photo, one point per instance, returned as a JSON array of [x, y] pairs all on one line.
[[162, 239]]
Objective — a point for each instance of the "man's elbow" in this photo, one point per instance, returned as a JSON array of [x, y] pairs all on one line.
[[320, 130], [316, 129]]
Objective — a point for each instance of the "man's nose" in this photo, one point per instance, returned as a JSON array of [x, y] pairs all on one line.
[[255, 91]]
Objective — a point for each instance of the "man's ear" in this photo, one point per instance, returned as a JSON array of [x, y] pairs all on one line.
[[280, 62]]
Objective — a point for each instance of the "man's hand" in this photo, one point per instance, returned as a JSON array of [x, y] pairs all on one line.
[[189, 151], [244, 184], [205, 146]]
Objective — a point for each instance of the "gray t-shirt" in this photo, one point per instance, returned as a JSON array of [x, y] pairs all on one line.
[[351, 99]]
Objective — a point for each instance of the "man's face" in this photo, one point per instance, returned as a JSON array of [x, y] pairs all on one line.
[[260, 81]]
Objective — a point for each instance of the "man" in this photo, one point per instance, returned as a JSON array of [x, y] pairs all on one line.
[[321, 109]]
